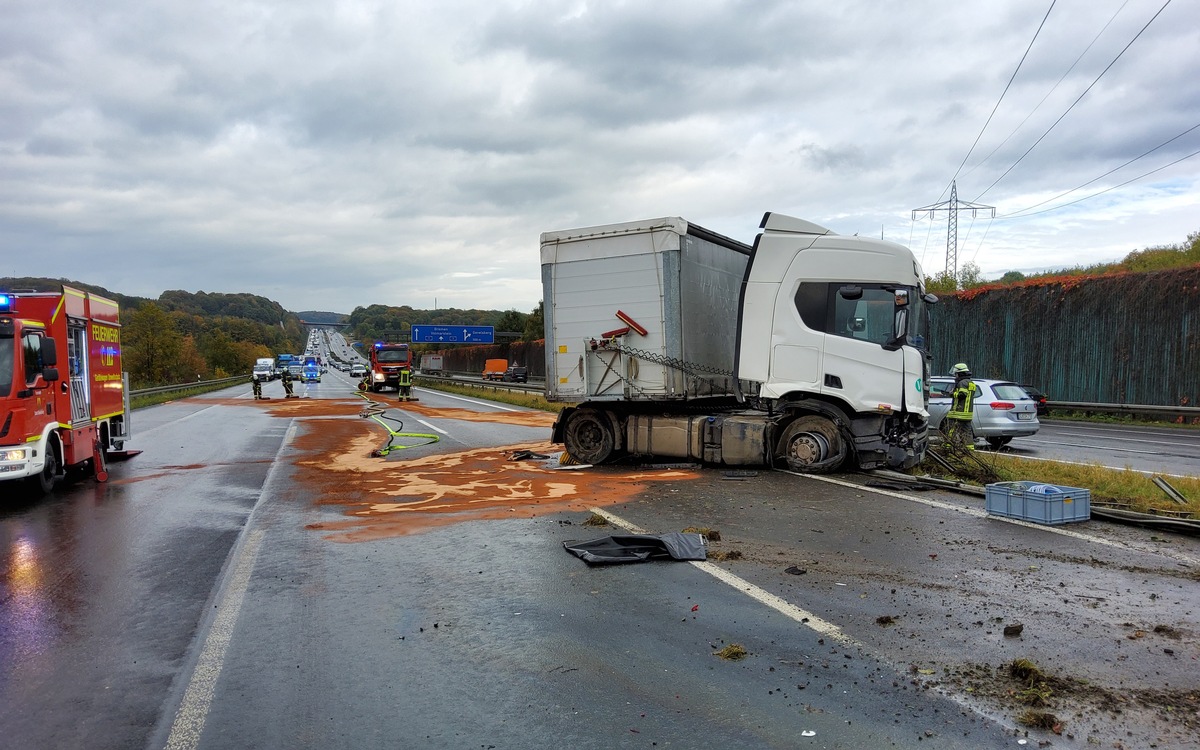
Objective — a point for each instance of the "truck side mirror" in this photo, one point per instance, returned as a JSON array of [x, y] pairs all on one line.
[[49, 353], [50, 374], [901, 331]]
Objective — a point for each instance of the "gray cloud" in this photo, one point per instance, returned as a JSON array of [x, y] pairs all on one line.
[[367, 151]]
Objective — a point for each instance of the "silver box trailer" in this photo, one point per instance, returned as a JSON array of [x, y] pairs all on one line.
[[665, 287]]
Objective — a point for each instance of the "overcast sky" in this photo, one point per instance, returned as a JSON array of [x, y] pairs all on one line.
[[340, 153]]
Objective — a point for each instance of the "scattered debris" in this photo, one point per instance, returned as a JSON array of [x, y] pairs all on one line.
[[526, 455], [1014, 630], [711, 535], [732, 652], [724, 555], [634, 548], [795, 570], [1023, 669], [596, 520], [1041, 720], [885, 620], [738, 474], [1172, 493]]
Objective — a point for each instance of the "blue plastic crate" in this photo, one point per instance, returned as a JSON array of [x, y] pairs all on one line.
[[1038, 502]]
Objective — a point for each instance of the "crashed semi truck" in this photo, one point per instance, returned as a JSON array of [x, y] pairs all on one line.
[[64, 400], [806, 350]]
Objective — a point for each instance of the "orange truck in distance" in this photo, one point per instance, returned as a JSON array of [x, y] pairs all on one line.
[[494, 369]]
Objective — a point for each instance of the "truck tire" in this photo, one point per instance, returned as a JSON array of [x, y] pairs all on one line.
[[812, 444], [43, 483], [589, 437]]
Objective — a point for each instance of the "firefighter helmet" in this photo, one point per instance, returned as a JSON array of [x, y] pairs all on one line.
[[961, 369]]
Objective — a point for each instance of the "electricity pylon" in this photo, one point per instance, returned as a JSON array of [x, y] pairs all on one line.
[[952, 207]]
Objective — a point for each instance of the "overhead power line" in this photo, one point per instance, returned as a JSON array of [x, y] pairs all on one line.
[[1018, 213], [1077, 100], [1053, 88], [952, 207], [1002, 93], [1106, 190]]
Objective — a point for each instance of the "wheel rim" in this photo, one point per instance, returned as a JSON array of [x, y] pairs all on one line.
[[812, 443], [589, 438]]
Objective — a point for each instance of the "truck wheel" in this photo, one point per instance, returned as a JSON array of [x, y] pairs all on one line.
[[589, 437], [812, 445], [44, 483]]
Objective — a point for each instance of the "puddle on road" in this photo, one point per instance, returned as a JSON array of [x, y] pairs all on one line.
[[396, 496]]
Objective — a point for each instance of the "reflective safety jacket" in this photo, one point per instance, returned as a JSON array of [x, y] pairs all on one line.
[[962, 404]]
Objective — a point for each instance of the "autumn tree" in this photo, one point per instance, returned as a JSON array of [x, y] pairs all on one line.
[[152, 346]]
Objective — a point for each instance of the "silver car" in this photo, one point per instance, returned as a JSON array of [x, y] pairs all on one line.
[[1003, 410]]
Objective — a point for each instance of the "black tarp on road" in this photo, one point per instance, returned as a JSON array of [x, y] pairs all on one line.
[[633, 548]]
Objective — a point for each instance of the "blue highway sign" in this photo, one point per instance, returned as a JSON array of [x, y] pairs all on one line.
[[425, 334]]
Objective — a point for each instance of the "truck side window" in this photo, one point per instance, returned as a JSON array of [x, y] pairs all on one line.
[[811, 303], [32, 344]]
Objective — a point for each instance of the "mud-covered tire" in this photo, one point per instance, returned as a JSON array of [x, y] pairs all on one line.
[[589, 437], [812, 444], [998, 442]]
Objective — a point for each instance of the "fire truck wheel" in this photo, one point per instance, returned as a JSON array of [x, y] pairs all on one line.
[[44, 482], [589, 437]]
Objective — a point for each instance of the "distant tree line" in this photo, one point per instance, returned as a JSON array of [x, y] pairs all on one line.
[[382, 322]]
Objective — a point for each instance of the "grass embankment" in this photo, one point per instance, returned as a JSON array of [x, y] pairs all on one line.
[[1127, 488], [491, 393]]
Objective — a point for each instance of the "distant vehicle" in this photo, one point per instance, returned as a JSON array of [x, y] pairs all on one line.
[[494, 369], [310, 372], [358, 371], [516, 374], [1002, 410], [1039, 398], [264, 369], [387, 360], [433, 364]]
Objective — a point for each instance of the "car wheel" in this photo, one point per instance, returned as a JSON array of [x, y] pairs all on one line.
[[998, 442]]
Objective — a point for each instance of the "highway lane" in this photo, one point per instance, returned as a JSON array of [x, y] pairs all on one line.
[[287, 598], [1162, 450]]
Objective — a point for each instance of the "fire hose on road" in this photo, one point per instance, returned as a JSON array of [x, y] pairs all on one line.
[[377, 411]]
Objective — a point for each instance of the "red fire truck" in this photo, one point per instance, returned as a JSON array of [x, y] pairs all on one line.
[[387, 360], [63, 398]]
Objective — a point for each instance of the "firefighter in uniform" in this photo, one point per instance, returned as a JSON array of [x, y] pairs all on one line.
[[962, 406], [257, 386], [404, 384], [286, 377]]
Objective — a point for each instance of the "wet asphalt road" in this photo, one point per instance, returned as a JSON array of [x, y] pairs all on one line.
[[188, 603]]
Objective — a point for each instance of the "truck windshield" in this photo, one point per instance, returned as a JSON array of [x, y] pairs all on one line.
[[8, 358], [392, 355]]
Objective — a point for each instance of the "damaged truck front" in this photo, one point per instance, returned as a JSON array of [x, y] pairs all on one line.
[[807, 349]]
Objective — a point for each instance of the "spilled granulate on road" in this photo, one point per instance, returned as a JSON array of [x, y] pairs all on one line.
[[395, 496]]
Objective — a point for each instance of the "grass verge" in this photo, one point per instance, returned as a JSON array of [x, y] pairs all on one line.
[[491, 393], [1126, 488]]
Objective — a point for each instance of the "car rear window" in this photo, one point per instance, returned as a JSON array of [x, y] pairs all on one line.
[[1010, 392]]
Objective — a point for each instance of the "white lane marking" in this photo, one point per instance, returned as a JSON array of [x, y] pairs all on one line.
[[1085, 445], [760, 595], [197, 698], [473, 401], [1177, 556], [432, 427], [184, 418]]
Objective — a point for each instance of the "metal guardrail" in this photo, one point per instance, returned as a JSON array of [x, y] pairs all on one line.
[[1146, 409], [188, 386]]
